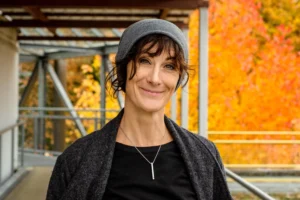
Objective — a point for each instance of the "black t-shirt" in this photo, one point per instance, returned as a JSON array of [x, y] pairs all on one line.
[[131, 178]]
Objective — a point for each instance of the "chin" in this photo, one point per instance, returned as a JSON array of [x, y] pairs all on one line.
[[152, 108]]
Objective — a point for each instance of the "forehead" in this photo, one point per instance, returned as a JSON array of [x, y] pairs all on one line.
[[158, 49]]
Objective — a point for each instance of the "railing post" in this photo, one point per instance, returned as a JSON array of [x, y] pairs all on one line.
[[96, 123], [35, 132], [12, 149], [0, 159], [103, 91], [22, 144]]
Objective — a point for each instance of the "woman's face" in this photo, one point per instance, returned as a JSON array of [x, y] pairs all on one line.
[[154, 82]]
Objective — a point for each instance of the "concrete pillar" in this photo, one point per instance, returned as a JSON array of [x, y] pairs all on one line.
[[59, 125], [9, 99]]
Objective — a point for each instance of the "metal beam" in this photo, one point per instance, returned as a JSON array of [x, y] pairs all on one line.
[[174, 106], [116, 32], [66, 54], [28, 58], [62, 48], [174, 4], [203, 72], [77, 38], [78, 33], [64, 96], [41, 102], [110, 49], [59, 125], [72, 24], [30, 84], [185, 97], [103, 89]]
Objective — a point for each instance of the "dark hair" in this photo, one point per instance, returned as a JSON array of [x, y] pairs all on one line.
[[118, 74]]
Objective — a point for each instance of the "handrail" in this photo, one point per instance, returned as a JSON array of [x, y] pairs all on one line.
[[60, 117], [256, 141], [42, 152], [11, 127], [271, 166], [67, 109], [212, 133], [253, 132], [252, 188]]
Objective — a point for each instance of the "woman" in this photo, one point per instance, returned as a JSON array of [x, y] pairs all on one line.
[[141, 154]]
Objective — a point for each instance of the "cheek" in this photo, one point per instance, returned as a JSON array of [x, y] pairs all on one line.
[[171, 81]]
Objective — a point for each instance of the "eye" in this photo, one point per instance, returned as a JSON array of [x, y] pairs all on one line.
[[170, 66], [144, 61]]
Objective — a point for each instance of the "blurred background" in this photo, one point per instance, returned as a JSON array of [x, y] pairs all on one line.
[[243, 92]]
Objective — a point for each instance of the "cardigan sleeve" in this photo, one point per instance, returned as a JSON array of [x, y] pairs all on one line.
[[59, 180], [220, 193], [218, 157]]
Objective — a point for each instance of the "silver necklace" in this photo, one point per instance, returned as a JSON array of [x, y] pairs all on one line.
[[151, 163]]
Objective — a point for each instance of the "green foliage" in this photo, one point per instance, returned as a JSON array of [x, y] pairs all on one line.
[[286, 13]]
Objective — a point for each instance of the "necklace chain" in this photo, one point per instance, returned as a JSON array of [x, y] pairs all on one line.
[[151, 163]]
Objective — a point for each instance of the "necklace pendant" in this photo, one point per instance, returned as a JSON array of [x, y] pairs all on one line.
[[152, 170]]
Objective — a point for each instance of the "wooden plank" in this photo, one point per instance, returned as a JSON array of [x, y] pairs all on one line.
[[68, 38], [85, 14], [163, 13], [37, 14], [174, 4], [72, 24]]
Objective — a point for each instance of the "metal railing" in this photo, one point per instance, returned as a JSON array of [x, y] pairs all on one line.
[[5, 131], [60, 113], [252, 188]]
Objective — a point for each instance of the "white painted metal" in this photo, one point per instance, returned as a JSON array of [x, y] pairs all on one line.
[[203, 71]]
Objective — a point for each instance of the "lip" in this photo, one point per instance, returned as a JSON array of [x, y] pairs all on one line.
[[151, 92]]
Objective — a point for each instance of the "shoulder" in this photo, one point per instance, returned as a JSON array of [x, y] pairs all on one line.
[[73, 154], [92, 144], [200, 140]]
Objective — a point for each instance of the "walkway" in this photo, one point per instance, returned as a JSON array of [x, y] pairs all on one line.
[[34, 185]]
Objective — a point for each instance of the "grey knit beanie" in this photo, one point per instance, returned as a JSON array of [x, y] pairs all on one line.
[[146, 27]]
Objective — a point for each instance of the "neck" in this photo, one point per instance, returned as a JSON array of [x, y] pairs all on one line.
[[143, 128]]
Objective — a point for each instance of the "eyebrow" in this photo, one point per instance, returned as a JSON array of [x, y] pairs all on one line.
[[147, 53]]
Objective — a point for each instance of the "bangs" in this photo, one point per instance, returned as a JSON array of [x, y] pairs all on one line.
[[160, 43]]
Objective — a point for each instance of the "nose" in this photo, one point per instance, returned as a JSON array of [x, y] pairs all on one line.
[[154, 76]]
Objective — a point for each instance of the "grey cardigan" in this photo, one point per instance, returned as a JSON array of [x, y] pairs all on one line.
[[82, 171]]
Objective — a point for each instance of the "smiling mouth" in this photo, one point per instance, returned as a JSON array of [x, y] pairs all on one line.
[[152, 92]]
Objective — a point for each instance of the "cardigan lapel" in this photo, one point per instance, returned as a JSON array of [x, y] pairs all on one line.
[[197, 163], [109, 132]]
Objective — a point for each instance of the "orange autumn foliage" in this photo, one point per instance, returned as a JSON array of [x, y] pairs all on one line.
[[254, 82]]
